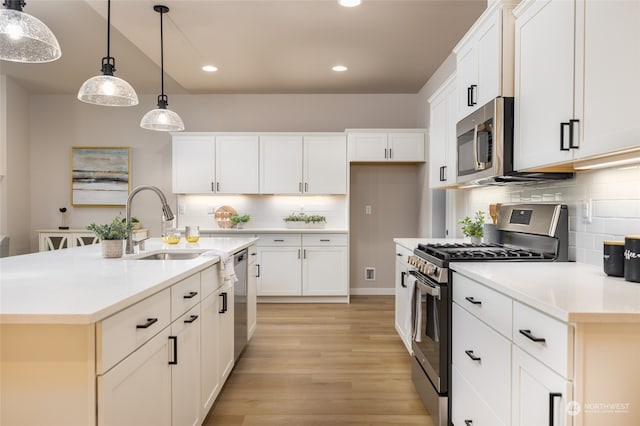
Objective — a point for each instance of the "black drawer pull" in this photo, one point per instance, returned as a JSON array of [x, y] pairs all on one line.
[[325, 241], [149, 323], [190, 295], [191, 319], [552, 396], [278, 241], [528, 335], [468, 422], [399, 254], [473, 356], [224, 303], [402, 275], [471, 299], [175, 350], [257, 270]]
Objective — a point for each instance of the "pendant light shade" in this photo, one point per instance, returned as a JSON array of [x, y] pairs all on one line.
[[106, 89], [24, 38], [161, 118]]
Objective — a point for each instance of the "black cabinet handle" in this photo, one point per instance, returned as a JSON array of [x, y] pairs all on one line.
[[175, 350], [325, 241], [385, 153], [552, 397], [390, 153], [469, 96], [257, 270], [399, 254], [562, 134], [224, 303], [190, 295], [402, 275], [573, 134], [306, 187], [528, 335], [191, 319], [473, 94], [472, 299], [213, 189], [217, 186], [443, 173], [468, 422], [149, 323], [278, 241], [473, 356]]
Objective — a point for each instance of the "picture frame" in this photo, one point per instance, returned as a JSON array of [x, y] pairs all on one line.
[[100, 175]]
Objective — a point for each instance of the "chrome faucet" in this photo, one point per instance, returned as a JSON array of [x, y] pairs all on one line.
[[167, 214]]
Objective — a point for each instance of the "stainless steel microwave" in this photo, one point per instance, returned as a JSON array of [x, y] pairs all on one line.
[[485, 147]]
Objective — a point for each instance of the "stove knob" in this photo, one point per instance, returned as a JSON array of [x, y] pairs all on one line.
[[431, 269]]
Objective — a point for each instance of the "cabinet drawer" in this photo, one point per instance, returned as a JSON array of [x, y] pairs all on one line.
[[545, 338], [185, 295], [490, 306], [275, 240], [120, 334], [483, 357], [210, 280], [467, 406], [324, 239]]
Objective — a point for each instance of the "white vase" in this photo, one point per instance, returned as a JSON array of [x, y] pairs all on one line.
[[476, 240], [111, 248]]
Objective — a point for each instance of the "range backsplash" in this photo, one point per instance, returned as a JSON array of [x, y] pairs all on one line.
[[613, 196]]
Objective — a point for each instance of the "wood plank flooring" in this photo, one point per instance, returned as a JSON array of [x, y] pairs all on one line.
[[322, 364]]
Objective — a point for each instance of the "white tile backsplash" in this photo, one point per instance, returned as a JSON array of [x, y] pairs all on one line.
[[615, 197]]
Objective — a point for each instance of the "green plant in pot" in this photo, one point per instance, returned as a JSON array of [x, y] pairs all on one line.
[[239, 221], [473, 228], [111, 236], [316, 221]]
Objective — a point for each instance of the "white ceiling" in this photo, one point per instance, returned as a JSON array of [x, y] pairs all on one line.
[[261, 46]]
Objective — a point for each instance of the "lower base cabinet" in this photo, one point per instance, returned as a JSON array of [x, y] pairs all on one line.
[[468, 407], [185, 369]]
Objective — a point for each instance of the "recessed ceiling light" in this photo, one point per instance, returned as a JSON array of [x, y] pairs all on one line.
[[349, 3], [209, 68], [339, 68]]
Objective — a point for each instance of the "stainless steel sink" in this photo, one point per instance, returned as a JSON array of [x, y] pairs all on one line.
[[170, 255]]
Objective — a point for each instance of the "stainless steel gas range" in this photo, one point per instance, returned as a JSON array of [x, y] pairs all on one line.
[[524, 233]]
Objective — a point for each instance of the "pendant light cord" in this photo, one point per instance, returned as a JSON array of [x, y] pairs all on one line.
[[161, 56], [108, 28]]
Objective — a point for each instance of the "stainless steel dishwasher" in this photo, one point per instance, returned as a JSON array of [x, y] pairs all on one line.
[[240, 303]]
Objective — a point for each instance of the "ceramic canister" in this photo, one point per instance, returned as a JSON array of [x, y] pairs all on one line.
[[613, 259], [632, 258]]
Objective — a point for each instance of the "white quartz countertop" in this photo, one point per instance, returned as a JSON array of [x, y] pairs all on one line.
[[79, 286], [273, 231], [568, 291]]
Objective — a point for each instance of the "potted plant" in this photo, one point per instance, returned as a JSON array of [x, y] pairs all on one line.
[[473, 228], [239, 221], [111, 236], [296, 220], [316, 221]]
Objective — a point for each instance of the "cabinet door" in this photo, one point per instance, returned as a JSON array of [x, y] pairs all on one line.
[[84, 239], [367, 146], [403, 302], [225, 342], [252, 288], [193, 164], [324, 271], [137, 391], [611, 83], [467, 405], [325, 164], [406, 146], [489, 60], [442, 135], [237, 164], [280, 271], [185, 370], [467, 79], [535, 390], [281, 164], [544, 82], [53, 241], [209, 359]]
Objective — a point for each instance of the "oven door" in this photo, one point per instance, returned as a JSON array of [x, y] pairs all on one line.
[[431, 335]]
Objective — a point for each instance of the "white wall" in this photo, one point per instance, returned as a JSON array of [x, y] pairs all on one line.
[[58, 122]]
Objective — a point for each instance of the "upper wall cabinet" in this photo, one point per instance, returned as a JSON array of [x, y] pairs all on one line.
[[223, 164], [303, 164], [391, 145], [484, 59], [576, 85], [442, 135]]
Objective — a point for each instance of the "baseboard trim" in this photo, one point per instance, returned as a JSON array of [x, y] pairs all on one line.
[[371, 291]]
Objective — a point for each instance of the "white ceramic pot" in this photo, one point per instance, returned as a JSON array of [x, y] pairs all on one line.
[[476, 240], [111, 248]]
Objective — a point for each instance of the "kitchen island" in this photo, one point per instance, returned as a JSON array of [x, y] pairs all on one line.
[[92, 341]]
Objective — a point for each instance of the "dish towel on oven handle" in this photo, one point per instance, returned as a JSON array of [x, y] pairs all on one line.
[[416, 307], [227, 270]]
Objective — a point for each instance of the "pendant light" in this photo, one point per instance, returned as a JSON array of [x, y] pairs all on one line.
[[161, 118], [106, 89], [24, 38]]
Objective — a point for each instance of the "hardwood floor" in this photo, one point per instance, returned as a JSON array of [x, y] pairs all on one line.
[[322, 364]]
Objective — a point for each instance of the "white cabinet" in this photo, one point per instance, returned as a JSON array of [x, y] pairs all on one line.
[[225, 343], [442, 135], [403, 297], [540, 396], [303, 164], [375, 146], [583, 105], [237, 164], [137, 391], [209, 337], [207, 163], [484, 59], [302, 265], [252, 288]]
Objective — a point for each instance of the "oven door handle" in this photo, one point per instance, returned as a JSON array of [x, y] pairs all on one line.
[[427, 289]]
